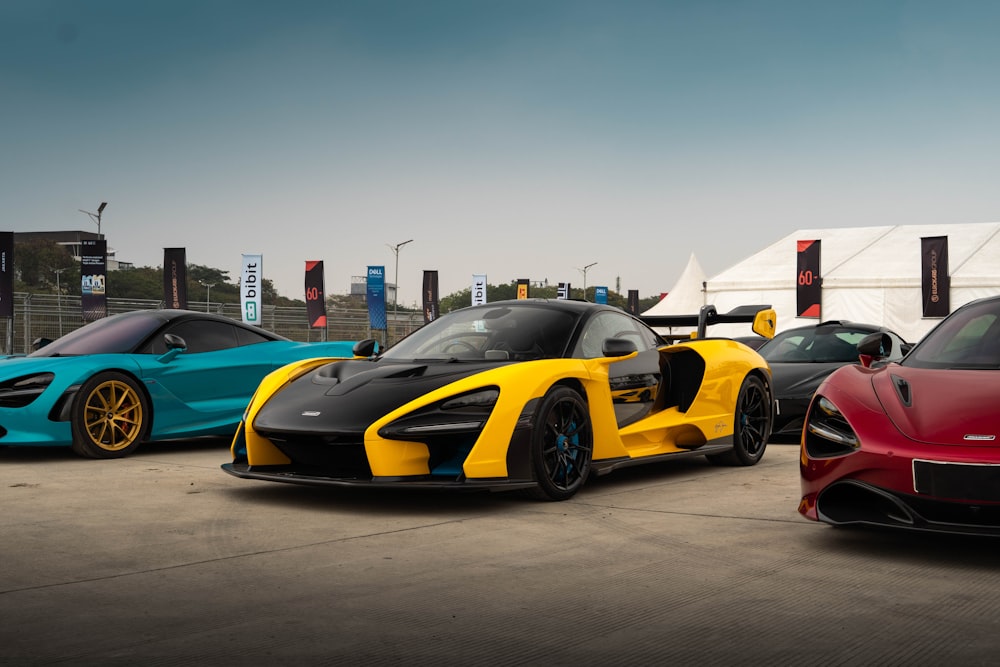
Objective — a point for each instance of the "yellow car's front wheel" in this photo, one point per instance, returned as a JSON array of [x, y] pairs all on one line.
[[110, 416]]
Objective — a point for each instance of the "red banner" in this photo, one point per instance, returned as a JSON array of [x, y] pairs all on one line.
[[809, 283], [315, 299]]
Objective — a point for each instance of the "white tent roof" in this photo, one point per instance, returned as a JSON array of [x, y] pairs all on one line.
[[870, 274], [687, 295]]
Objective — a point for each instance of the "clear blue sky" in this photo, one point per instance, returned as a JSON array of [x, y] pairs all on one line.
[[520, 139]]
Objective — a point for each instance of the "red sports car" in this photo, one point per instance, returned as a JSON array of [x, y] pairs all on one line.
[[911, 444]]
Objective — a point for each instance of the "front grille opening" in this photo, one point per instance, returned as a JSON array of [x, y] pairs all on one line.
[[855, 503], [325, 457]]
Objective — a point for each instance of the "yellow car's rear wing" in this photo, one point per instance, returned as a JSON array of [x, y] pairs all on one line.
[[763, 317]]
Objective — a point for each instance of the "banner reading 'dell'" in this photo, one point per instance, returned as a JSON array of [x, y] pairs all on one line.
[[375, 296], [250, 288]]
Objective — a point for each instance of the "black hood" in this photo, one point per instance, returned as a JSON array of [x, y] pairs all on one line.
[[800, 380], [346, 397]]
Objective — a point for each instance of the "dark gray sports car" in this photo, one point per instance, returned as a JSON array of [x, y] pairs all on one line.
[[801, 358]]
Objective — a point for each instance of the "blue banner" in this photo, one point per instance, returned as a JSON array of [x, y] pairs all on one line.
[[600, 295], [376, 297]]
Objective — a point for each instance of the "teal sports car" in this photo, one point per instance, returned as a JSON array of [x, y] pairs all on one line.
[[142, 376]]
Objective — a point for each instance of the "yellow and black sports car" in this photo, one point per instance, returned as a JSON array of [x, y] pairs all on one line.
[[526, 394]]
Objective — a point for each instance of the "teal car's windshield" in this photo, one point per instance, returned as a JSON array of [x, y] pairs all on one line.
[[118, 334]]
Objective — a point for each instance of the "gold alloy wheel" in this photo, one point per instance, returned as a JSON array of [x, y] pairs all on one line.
[[113, 415]]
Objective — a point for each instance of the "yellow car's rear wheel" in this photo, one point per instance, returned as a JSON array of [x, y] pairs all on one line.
[[751, 425], [110, 416]]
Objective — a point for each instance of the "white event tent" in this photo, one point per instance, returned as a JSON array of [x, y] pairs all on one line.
[[870, 274]]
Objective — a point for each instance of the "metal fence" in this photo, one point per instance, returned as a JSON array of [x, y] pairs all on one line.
[[50, 316]]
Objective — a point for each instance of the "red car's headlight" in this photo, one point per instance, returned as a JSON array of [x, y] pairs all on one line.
[[827, 431]]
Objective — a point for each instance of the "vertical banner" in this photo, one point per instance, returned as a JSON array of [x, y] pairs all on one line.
[[7, 275], [600, 294], [315, 297], [250, 288], [809, 284], [93, 276], [562, 292], [175, 278], [633, 301], [375, 294], [430, 291], [935, 283], [522, 288], [478, 289]]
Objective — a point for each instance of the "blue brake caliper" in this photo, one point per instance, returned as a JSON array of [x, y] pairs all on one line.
[[568, 452]]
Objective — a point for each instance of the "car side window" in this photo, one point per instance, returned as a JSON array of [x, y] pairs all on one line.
[[246, 337], [200, 336], [610, 325]]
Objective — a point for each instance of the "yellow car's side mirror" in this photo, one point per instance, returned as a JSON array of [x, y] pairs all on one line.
[[764, 323]]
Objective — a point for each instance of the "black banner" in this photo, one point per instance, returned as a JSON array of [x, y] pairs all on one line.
[[175, 278], [633, 301], [7, 274], [809, 284], [315, 298], [522, 288], [93, 277], [935, 283], [431, 303]]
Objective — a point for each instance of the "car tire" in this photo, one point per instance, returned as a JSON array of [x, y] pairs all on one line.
[[110, 416], [751, 425], [562, 445]]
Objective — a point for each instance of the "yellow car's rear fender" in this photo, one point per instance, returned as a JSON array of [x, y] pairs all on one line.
[[710, 413]]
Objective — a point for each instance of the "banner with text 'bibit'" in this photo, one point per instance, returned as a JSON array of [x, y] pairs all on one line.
[[251, 282], [478, 289]]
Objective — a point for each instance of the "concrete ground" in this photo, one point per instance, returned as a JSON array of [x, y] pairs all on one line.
[[163, 559]]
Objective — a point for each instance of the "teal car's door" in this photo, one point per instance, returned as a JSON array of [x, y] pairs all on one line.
[[206, 386]]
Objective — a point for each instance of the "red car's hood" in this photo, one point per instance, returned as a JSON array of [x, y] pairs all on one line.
[[947, 407]]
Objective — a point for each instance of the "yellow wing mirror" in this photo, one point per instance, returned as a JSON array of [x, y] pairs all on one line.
[[765, 322]]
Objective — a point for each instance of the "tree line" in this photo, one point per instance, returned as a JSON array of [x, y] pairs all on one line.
[[42, 265]]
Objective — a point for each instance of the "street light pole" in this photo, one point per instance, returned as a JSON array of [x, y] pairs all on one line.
[[58, 272], [96, 217], [208, 292], [395, 292], [584, 272]]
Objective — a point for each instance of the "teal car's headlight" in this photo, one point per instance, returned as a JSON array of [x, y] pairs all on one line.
[[827, 431], [458, 414], [19, 392]]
